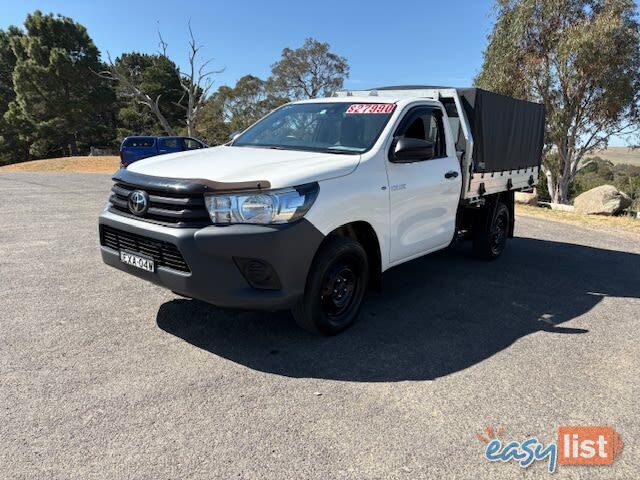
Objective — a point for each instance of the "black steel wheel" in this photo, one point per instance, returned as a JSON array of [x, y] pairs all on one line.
[[499, 231], [490, 241], [335, 287]]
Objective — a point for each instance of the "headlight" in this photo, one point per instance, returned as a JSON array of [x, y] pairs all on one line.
[[275, 206]]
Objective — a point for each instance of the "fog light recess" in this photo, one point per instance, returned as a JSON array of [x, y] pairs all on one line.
[[258, 273]]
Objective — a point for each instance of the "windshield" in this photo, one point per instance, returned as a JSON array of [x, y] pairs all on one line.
[[326, 127]]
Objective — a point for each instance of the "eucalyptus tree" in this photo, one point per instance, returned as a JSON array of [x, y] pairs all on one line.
[[581, 58]]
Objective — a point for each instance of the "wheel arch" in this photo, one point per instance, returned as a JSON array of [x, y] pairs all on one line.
[[366, 235], [471, 218]]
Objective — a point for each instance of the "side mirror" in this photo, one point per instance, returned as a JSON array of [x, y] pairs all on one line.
[[234, 135], [405, 150]]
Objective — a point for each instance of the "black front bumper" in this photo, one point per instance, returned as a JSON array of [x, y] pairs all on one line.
[[213, 255]]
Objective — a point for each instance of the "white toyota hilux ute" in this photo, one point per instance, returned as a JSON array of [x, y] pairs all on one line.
[[308, 207]]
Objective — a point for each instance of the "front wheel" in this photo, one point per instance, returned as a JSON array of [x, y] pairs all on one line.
[[335, 288], [491, 239]]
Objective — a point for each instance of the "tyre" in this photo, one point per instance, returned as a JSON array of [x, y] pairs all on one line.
[[335, 289], [181, 294], [491, 238]]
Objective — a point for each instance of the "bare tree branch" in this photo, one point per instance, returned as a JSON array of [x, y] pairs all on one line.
[[196, 83], [117, 74], [163, 45]]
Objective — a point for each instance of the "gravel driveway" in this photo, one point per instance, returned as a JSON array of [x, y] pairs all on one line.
[[106, 376]]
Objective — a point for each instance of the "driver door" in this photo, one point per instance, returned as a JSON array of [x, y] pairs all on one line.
[[424, 193]]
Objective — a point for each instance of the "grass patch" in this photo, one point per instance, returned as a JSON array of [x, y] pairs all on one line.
[[599, 222], [618, 155], [107, 164]]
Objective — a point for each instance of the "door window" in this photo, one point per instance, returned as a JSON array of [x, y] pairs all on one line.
[[424, 123], [170, 143]]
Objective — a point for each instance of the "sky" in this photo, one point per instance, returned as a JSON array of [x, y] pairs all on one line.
[[431, 42], [423, 43]]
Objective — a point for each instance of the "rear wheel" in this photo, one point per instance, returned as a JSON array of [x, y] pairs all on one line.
[[491, 239], [335, 288]]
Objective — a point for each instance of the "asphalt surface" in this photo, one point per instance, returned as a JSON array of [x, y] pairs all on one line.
[[106, 376]]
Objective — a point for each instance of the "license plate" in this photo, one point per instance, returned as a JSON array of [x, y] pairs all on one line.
[[137, 261]]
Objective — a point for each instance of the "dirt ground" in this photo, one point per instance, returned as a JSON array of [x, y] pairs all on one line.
[[106, 164], [598, 222]]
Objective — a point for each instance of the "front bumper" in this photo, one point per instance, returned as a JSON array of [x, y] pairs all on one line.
[[211, 254]]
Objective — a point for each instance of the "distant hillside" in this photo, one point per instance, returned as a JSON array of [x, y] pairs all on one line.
[[619, 155]]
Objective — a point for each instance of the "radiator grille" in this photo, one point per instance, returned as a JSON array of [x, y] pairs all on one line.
[[164, 254], [165, 208]]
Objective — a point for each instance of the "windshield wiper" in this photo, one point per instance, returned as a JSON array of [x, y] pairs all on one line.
[[272, 147], [339, 150]]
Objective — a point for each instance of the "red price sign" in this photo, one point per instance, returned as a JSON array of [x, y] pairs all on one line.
[[371, 108]]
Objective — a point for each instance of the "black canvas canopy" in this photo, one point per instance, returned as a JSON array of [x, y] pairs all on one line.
[[508, 134]]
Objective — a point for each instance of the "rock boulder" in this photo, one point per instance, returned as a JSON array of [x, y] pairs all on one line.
[[602, 200], [526, 198]]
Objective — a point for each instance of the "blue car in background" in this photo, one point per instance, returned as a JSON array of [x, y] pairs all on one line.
[[137, 148]]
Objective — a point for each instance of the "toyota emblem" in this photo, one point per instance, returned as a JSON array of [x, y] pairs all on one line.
[[138, 202]]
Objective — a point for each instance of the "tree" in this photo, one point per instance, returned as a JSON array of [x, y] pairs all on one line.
[[149, 90], [247, 102], [581, 58], [211, 126], [59, 104], [310, 71], [147, 81], [234, 109], [193, 85], [12, 147], [7, 65], [195, 82]]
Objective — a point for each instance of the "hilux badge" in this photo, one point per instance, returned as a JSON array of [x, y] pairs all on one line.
[[138, 202]]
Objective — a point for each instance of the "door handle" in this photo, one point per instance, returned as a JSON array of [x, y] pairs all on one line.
[[451, 174]]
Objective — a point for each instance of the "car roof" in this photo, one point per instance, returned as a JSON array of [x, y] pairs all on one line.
[[158, 136], [367, 99]]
